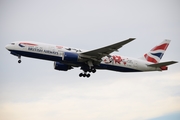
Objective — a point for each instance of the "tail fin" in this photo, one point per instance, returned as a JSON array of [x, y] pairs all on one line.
[[157, 52]]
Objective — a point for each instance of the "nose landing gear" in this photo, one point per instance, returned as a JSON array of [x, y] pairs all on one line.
[[19, 61], [19, 57]]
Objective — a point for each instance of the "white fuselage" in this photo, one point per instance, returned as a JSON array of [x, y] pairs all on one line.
[[57, 53]]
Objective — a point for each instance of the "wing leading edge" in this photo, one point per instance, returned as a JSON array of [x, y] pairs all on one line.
[[104, 51]]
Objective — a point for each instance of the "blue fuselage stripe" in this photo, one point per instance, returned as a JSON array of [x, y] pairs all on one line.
[[59, 59]]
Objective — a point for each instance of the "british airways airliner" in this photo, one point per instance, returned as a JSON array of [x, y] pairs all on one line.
[[66, 58]]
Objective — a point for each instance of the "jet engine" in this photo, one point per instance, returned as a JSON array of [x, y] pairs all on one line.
[[61, 66]]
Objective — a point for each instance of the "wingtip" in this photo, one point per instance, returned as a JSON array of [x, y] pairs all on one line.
[[132, 38], [175, 61]]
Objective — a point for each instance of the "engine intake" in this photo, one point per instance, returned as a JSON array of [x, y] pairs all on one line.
[[61, 66]]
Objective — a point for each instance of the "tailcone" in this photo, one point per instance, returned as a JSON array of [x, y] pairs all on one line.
[[164, 68]]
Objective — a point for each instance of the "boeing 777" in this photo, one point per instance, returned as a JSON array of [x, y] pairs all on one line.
[[66, 58]]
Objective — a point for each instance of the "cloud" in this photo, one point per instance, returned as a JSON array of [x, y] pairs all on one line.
[[125, 98], [169, 116]]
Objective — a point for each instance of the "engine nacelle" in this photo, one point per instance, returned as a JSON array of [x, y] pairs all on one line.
[[61, 66], [69, 56]]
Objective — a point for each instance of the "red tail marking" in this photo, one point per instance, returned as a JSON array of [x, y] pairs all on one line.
[[150, 59], [161, 47]]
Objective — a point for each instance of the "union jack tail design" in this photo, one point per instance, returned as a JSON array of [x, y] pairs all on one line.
[[157, 52]]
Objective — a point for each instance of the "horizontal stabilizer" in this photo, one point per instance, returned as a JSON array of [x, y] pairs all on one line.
[[162, 64]]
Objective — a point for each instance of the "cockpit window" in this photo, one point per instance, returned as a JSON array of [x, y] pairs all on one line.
[[12, 43]]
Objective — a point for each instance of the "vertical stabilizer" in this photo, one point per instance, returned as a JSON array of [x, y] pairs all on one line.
[[155, 54]]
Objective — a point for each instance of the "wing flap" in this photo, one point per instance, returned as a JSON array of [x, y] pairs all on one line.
[[163, 64]]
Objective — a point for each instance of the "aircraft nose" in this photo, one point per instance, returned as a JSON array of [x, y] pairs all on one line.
[[7, 47]]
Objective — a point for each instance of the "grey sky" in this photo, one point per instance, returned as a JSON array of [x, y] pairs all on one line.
[[34, 90]]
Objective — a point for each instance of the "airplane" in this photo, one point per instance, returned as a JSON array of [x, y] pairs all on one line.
[[66, 58]]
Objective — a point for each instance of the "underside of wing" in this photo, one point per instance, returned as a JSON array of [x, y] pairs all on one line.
[[104, 51]]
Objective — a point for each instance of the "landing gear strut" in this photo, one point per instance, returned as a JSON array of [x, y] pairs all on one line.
[[93, 70]]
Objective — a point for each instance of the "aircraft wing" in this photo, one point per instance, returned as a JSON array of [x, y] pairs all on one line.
[[162, 64], [104, 51]]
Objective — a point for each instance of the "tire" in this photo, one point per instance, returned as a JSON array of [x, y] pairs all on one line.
[[88, 75], [19, 61], [80, 75]]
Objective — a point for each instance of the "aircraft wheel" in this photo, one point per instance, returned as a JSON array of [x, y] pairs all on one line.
[[80, 75], [88, 75], [84, 75], [93, 70], [19, 61]]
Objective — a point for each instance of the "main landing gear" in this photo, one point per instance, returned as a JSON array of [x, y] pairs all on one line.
[[85, 74]]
